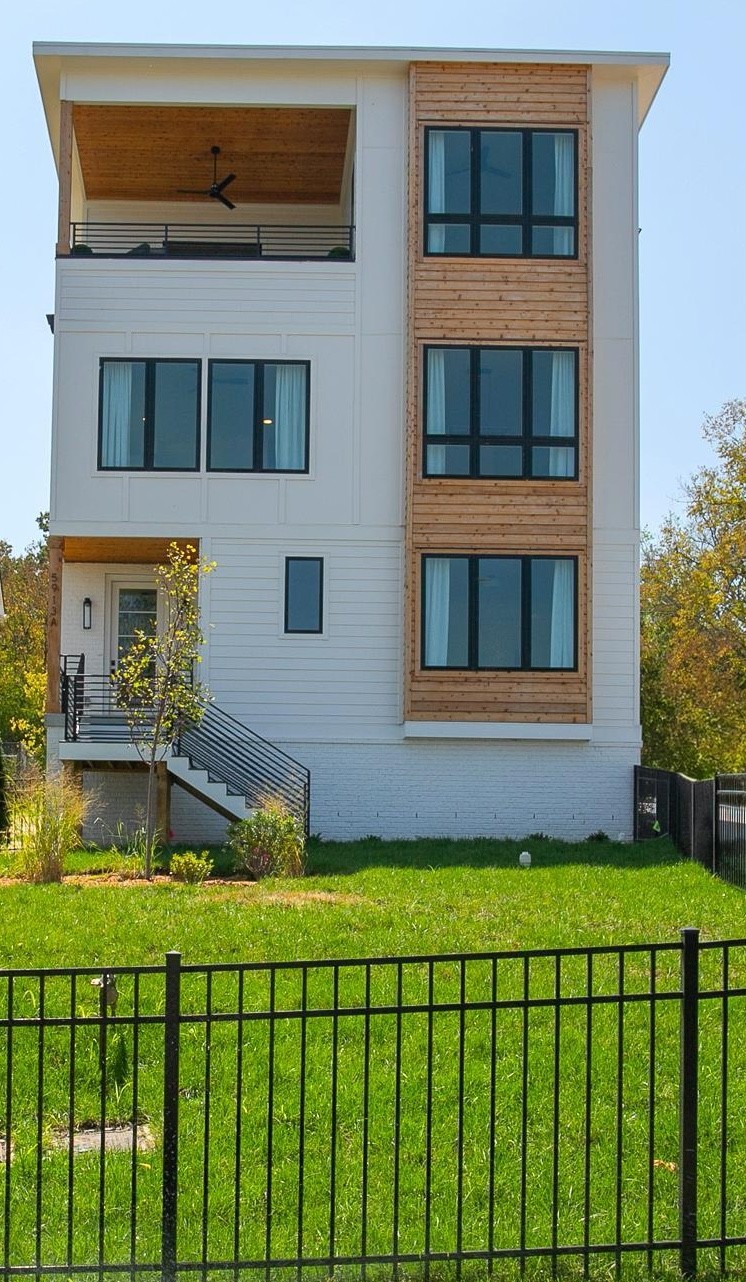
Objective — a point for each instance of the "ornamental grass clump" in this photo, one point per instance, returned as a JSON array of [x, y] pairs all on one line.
[[46, 814], [271, 843]]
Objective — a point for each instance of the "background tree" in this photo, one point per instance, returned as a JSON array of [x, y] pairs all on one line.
[[693, 615], [155, 677], [22, 643]]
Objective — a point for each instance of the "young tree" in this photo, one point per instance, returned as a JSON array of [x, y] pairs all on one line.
[[22, 644], [155, 678], [693, 613]]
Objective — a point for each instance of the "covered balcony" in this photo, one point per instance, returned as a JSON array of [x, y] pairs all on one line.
[[199, 182]]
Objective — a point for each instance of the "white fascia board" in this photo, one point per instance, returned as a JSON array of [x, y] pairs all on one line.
[[545, 730]]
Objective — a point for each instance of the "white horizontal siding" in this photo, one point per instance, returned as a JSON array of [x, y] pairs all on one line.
[[344, 681], [249, 297]]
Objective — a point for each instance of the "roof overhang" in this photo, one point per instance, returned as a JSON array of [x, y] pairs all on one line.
[[59, 66]]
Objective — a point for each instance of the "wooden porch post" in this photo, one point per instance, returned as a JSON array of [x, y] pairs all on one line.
[[54, 621], [65, 179]]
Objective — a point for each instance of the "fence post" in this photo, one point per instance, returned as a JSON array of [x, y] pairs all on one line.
[[688, 1099], [716, 825], [170, 1115]]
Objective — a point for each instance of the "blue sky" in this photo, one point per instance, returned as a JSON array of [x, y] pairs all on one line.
[[692, 192]]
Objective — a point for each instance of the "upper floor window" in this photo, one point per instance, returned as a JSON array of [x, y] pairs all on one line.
[[499, 612], [501, 412], [149, 415], [505, 193], [258, 416]]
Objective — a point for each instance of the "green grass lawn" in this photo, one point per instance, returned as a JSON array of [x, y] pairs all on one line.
[[374, 899]]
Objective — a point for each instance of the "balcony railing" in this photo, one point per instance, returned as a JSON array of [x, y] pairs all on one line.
[[199, 241]]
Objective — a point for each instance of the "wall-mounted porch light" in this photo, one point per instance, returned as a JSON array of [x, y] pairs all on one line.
[[86, 613]]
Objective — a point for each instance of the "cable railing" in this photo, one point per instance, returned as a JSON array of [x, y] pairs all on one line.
[[273, 241]]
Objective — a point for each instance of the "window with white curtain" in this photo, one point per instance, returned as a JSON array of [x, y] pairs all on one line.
[[258, 416], [499, 612], [149, 415], [504, 193], [501, 412]]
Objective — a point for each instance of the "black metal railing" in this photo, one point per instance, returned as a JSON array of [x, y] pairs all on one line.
[[434, 1114], [705, 818], [248, 765], [93, 711], [221, 240]]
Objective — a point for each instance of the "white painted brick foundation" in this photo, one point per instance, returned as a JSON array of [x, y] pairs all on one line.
[[454, 789], [119, 798], [468, 789]]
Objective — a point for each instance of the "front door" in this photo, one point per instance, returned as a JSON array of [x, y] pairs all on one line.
[[135, 610]]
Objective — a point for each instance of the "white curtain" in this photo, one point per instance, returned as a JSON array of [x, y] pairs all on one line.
[[437, 610], [436, 195], [563, 175], [564, 193], [562, 412], [115, 445], [290, 417], [562, 623], [436, 410]]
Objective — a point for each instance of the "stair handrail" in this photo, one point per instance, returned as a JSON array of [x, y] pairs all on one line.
[[251, 765]]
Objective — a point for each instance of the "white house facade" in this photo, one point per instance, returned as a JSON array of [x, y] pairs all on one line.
[[360, 326]]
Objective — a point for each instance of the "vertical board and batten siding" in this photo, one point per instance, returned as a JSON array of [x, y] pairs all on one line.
[[492, 301], [341, 681]]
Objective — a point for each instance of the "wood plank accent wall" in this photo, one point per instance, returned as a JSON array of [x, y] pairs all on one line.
[[492, 301]]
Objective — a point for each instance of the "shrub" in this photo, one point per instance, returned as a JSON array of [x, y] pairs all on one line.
[[269, 844], [191, 867], [46, 814], [598, 836]]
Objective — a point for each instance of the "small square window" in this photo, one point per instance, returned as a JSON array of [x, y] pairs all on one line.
[[149, 415], [304, 581]]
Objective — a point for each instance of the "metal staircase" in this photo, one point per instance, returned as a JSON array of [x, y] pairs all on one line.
[[216, 758]]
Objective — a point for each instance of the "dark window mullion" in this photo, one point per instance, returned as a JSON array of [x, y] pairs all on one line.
[[149, 433], [473, 606], [257, 455], [528, 190], [527, 415], [525, 612], [476, 192], [475, 410]]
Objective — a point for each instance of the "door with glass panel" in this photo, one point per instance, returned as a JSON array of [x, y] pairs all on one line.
[[134, 610]]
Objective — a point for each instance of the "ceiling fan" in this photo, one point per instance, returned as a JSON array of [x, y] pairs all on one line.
[[216, 189]]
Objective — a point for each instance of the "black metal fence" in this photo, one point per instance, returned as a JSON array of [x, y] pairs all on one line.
[[705, 818], [440, 1114]]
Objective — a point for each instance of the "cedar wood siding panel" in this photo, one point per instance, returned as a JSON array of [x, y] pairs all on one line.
[[489, 301]]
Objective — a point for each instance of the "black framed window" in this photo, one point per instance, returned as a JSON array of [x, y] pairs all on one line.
[[304, 591], [501, 412], [499, 612], [501, 193], [258, 416], [149, 412]]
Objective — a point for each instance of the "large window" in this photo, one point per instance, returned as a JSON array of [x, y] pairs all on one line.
[[258, 416], [304, 578], [505, 193], [501, 412], [499, 612], [149, 415]]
